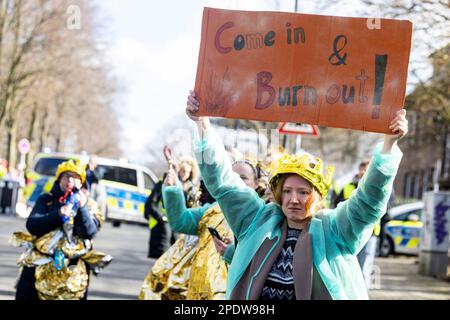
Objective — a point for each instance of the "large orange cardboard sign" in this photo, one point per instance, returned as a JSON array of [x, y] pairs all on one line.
[[287, 67]]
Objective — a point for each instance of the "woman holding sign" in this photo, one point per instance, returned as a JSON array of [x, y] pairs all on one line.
[[291, 249]]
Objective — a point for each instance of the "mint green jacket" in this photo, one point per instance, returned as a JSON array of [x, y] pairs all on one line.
[[337, 235], [182, 219]]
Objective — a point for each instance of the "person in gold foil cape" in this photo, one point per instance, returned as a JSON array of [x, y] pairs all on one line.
[[192, 268], [167, 278], [59, 255], [161, 235]]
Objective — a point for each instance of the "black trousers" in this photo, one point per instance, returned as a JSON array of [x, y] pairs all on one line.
[[161, 238], [26, 289]]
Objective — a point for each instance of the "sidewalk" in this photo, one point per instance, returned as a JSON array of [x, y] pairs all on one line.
[[400, 280]]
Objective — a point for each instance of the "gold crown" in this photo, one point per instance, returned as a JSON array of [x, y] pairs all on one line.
[[305, 168], [72, 166]]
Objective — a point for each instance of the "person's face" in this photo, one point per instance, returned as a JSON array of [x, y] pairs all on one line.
[[269, 195], [361, 171], [295, 193], [70, 180], [91, 165], [185, 172], [246, 173]]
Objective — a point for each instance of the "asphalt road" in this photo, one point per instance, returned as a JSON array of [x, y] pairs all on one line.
[[120, 280], [398, 276]]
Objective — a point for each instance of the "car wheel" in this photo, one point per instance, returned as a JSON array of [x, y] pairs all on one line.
[[116, 224], [386, 247]]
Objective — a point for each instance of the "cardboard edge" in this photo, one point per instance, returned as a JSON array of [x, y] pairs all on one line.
[[202, 53]]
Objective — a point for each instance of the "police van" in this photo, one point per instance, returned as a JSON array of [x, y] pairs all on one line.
[[403, 231], [121, 191]]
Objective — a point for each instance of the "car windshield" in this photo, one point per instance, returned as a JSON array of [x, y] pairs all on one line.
[[48, 166], [405, 216], [117, 174]]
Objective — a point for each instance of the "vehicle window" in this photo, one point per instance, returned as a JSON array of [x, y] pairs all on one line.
[[48, 166], [402, 216], [417, 212], [148, 182], [405, 216], [117, 174], [105, 172]]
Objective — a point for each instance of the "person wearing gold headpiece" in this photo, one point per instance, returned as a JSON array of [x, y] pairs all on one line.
[[59, 255], [205, 277], [290, 249]]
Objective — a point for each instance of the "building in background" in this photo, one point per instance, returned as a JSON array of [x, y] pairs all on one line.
[[426, 161]]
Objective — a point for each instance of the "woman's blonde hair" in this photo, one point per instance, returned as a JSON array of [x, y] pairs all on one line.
[[314, 203], [195, 172]]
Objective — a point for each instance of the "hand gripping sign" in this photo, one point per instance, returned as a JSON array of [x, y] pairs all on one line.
[[287, 67]]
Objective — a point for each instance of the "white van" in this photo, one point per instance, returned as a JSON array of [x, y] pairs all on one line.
[[121, 192]]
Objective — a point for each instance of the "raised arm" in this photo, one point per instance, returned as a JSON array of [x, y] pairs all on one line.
[[353, 220], [239, 203], [181, 219]]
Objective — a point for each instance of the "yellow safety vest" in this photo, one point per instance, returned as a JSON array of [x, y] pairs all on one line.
[[3, 172], [152, 222], [348, 190]]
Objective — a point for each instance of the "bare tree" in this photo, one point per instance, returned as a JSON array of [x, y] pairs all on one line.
[[55, 86]]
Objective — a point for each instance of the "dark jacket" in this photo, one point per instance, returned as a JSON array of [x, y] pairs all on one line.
[[341, 196], [45, 216], [91, 177], [152, 208]]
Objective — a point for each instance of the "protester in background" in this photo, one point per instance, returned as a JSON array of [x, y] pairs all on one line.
[[189, 178], [59, 254], [91, 176], [167, 278], [3, 168], [187, 270], [161, 236], [207, 280], [226, 247], [348, 189]]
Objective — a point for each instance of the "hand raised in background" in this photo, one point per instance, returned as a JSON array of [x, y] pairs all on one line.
[[171, 178]]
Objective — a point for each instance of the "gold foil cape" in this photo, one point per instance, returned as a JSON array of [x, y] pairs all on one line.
[[167, 279], [209, 270], [95, 210], [188, 271], [69, 283]]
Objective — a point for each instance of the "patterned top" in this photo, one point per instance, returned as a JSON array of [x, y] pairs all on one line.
[[280, 281]]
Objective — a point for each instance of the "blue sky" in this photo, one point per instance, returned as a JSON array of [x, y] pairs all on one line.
[[148, 20]]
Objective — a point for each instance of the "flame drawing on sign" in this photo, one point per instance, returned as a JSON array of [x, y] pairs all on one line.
[[218, 93]]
